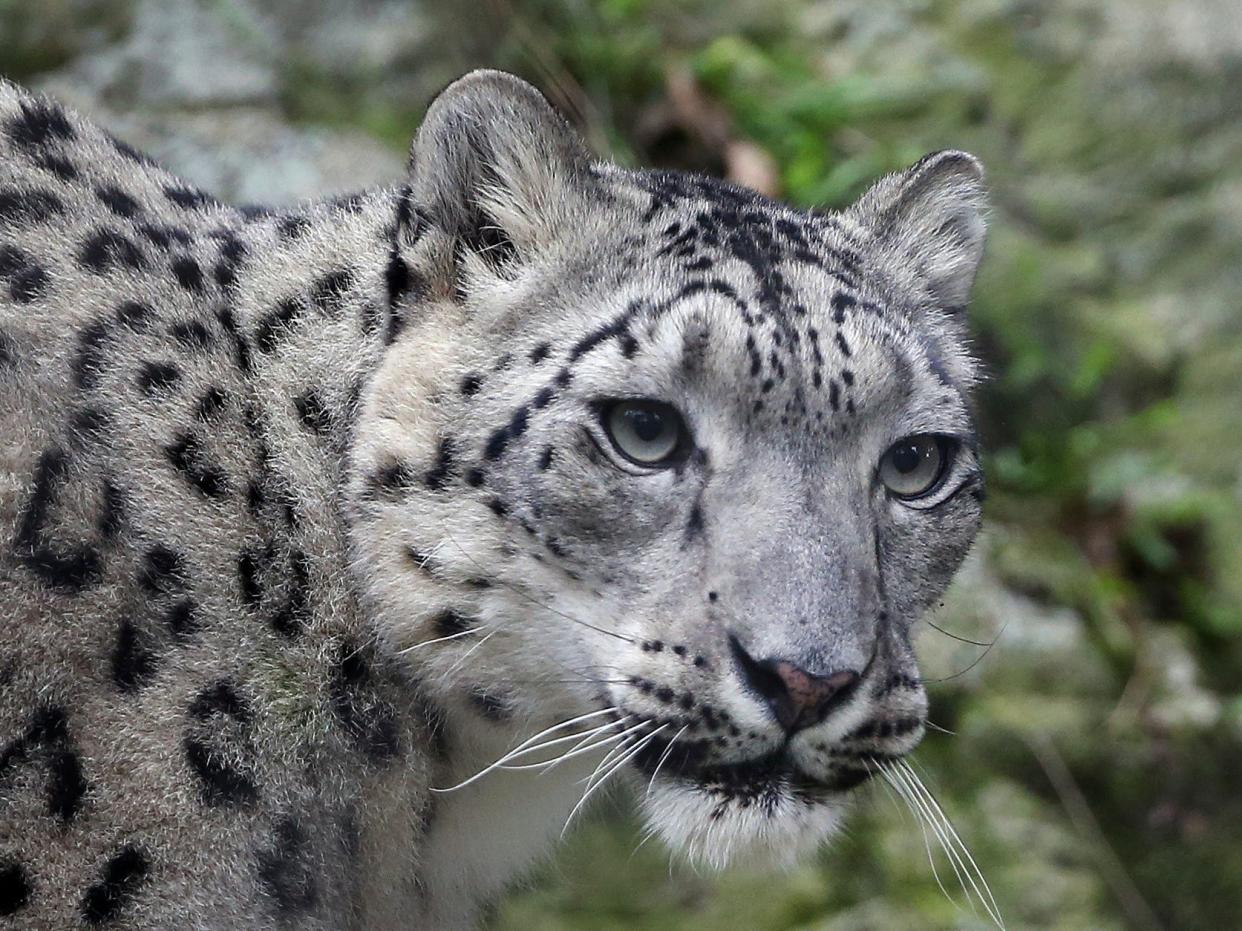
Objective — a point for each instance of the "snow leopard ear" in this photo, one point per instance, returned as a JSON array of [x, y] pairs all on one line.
[[496, 168], [929, 218]]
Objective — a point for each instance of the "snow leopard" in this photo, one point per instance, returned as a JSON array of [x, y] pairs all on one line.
[[350, 551]]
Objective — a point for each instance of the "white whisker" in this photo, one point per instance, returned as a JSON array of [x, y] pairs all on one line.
[[990, 904], [608, 757], [591, 789], [663, 757], [892, 787], [942, 836], [533, 600], [593, 740], [604, 762], [457, 664], [510, 754], [427, 643], [925, 816], [580, 736]]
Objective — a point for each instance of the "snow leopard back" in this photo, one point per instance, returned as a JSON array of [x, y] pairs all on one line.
[[192, 715]]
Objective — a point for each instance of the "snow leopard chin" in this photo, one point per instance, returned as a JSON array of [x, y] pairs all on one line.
[[776, 829]]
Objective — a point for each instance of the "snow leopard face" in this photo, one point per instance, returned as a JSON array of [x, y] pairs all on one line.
[[661, 455]]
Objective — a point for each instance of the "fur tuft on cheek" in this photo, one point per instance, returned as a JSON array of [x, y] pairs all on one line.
[[775, 832]]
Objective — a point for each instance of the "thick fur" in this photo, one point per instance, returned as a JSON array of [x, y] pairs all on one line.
[[307, 514]]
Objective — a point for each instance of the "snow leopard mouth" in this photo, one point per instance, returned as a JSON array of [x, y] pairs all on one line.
[[752, 780]]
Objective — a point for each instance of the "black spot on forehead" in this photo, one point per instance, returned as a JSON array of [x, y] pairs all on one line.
[[182, 618], [187, 455], [292, 227], [330, 288], [28, 284], [368, 719], [295, 611], [163, 569], [157, 376], [88, 425], [27, 279], [71, 569], [313, 412], [274, 325], [66, 785], [164, 236], [191, 334], [134, 314], [58, 165], [670, 187], [130, 152]]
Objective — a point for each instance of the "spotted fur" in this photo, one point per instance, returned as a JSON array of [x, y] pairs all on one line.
[[256, 461]]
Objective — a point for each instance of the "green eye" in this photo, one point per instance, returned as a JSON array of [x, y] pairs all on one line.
[[914, 465], [648, 433]]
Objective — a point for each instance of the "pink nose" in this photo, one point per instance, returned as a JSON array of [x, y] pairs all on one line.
[[797, 698], [809, 696]]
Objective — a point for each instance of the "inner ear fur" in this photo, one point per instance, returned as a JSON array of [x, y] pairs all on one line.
[[495, 167]]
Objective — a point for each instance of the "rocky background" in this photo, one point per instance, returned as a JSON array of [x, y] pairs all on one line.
[[1095, 751]]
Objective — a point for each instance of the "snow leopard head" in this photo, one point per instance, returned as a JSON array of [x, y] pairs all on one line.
[[663, 457]]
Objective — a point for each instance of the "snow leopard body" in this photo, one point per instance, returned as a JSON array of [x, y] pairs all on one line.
[[307, 514]]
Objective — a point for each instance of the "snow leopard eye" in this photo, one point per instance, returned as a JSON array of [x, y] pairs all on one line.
[[648, 433], [914, 466]]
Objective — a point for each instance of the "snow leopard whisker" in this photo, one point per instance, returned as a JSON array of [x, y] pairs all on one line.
[[920, 786], [460, 661], [621, 761], [958, 637], [977, 660], [427, 643], [613, 754], [526, 743], [884, 784], [897, 794], [928, 818], [535, 601], [950, 841], [922, 817], [581, 737], [620, 748], [593, 742], [617, 749], [664, 756]]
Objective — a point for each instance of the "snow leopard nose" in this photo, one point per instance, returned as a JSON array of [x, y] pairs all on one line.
[[799, 699]]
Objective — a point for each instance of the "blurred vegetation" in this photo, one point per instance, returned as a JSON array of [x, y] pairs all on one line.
[[1096, 750]]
